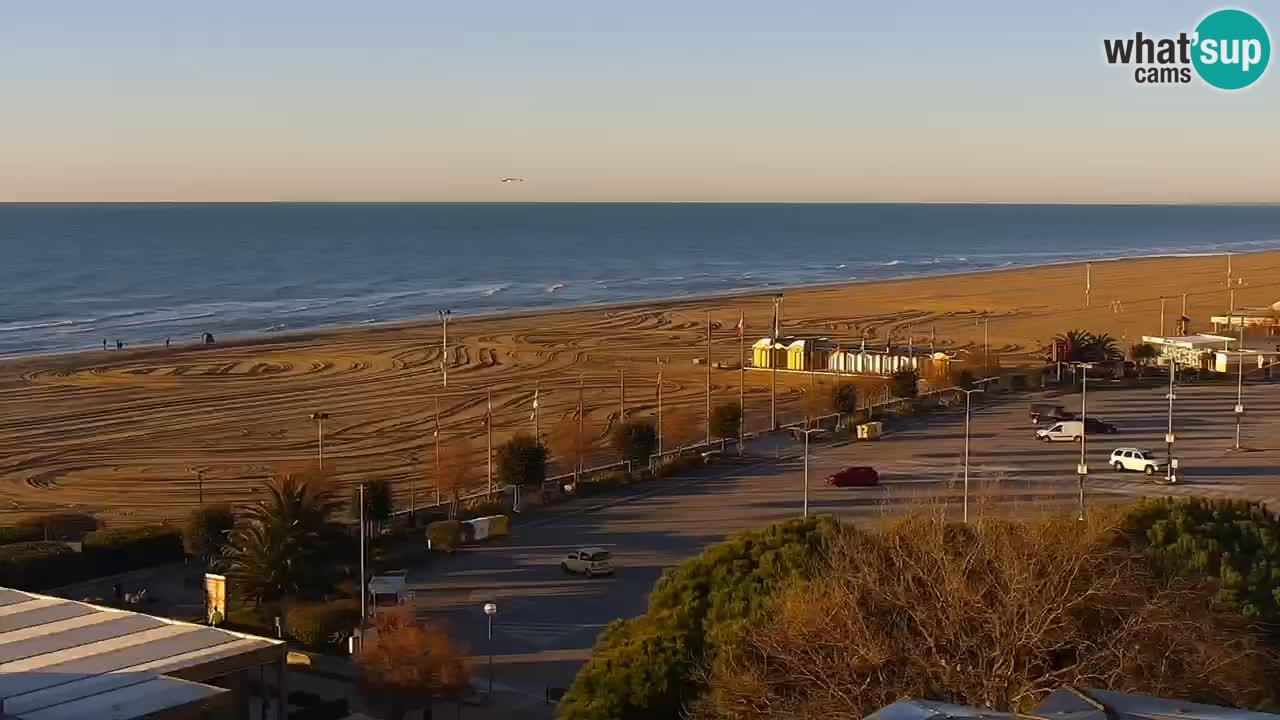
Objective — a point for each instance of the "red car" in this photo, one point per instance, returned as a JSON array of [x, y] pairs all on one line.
[[857, 476]]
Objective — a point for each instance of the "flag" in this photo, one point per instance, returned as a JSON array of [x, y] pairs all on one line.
[[741, 326], [775, 319], [534, 414]]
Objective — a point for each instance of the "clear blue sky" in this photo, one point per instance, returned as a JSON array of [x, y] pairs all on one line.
[[659, 100]]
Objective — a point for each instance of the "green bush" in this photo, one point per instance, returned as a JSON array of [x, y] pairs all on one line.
[[445, 535], [522, 461], [844, 398], [40, 565], [1234, 543], [10, 535], [249, 619], [726, 420], [313, 624], [123, 549], [483, 508], [207, 531], [62, 525], [645, 667], [636, 440], [905, 383]]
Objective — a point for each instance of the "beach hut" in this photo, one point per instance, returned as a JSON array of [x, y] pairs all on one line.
[[766, 353]]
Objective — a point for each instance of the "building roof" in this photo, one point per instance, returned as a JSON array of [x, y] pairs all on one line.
[[1188, 341], [1070, 703], [65, 659]]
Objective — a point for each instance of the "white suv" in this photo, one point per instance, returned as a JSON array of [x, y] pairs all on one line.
[[1136, 460], [590, 561]]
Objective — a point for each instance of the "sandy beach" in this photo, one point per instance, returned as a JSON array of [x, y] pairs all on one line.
[[118, 433]]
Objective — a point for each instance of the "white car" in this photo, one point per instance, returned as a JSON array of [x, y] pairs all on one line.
[[591, 561], [1135, 460]]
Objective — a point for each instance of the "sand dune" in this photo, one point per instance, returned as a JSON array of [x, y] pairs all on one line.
[[114, 433]]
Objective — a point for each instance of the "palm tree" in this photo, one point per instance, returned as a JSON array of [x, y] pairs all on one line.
[[1075, 346], [1103, 349], [284, 546]]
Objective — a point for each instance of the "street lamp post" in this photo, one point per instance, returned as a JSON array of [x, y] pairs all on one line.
[[1169, 438], [1082, 470], [967, 396], [320, 417], [806, 468], [1240, 383], [444, 344], [490, 609]]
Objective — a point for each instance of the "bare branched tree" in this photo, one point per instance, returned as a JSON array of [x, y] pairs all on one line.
[[994, 614], [458, 469]]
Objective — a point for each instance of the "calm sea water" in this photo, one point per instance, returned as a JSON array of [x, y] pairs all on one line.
[[74, 275]]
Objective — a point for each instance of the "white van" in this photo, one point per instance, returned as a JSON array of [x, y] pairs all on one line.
[[1071, 430]]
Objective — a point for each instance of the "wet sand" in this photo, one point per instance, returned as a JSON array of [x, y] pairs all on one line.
[[115, 433]]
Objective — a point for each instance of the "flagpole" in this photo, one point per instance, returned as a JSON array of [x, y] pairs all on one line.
[[742, 377], [773, 369], [437, 437], [582, 411], [488, 432], [659, 410], [537, 420], [708, 439], [622, 396]]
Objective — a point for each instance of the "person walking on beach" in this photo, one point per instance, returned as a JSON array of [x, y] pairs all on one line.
[[166, 343], [104, 343], [119, 345]]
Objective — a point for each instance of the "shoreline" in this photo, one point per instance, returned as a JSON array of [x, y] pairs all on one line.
[[321, 332], [117, 436]]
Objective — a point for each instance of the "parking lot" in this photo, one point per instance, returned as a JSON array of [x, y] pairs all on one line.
[[547, 621]]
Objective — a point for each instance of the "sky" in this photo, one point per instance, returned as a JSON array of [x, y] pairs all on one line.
[[697, 100]]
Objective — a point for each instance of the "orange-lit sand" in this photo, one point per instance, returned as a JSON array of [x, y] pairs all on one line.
[[113, 433]]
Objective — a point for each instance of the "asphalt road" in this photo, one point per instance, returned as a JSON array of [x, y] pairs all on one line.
[[547, 621]]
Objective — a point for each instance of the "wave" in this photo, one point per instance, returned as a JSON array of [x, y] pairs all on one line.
[[490, 292], [555, 287], [891, 263], [36, 326]]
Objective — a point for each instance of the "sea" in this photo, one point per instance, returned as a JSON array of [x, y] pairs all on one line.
[[74, 275]]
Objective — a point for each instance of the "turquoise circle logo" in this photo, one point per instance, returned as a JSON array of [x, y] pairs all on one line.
[[1232, 49]]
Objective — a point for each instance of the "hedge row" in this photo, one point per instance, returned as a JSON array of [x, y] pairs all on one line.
[[41, 565], [11, 535]]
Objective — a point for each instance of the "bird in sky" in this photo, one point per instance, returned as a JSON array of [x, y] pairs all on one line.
[[512, 179]]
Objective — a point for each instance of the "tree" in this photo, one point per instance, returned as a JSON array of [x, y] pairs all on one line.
[[995, 614], [726, 420], [636, 440], [1083, 346], [965, 379], [378, 504], [844, 398], [207, 531], [646, 667], [408, 664], [679, 428], [522, 461], [1234, 544], [283, 546], [1143, 354], [562, 444], [905, 383], [458, 470]]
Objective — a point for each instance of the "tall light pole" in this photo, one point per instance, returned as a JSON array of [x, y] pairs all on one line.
[[1082, 470], [659, 410], [1162, 316], [806, 469], [1169, 475], [444, 344], [1240, 384], [320, 417], [1088, 282], [582, 412], [968, 394], [488, 435], [708, 438], [364, 589], [742, 377], [773, 364], [490, 609], [435, 434], [622, 396]]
